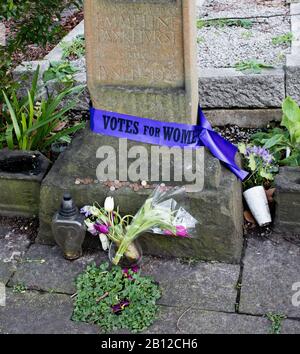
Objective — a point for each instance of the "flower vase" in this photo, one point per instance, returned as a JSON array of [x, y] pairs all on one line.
[[133, 255], [258, 203]]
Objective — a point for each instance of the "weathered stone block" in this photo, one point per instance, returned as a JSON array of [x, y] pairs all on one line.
[[288, 200], [245, 118], [24, 73], [20, 190], [228, 88], [293, 76], [218, 207], [293, 60], [141, 57]]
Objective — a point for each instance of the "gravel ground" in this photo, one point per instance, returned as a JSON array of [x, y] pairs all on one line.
[[236, 134], [241, 8], [223, 47]]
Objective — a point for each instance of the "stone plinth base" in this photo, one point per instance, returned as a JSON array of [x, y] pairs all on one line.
[[217, 207]]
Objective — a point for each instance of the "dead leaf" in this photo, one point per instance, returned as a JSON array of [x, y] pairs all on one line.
[[60, 126], [270, 193], [249, 217]]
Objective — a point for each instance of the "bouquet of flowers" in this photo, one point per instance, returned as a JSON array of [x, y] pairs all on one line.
[[160, 214], [260, 163]]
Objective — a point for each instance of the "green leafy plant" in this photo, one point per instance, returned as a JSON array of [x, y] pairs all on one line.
[[19, 289], [36, 21], [31, 123], [252, 66], [62, 72], [244, 23], [74, 49], [260, 163], [8, 8], [284, 142], [7, 82], [286, 38], [276, 322], [115, 299]]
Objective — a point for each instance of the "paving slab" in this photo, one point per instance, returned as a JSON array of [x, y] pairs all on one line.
[[207, 285], [290, 327], [166, 322], [12, 249], [270, 270], [45, 268], [209, 322], [35, 313], [173, 320]]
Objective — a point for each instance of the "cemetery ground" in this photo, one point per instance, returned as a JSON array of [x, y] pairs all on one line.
[[255, 296]]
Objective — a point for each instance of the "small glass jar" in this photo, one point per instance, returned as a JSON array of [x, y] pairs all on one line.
[[126, 260]]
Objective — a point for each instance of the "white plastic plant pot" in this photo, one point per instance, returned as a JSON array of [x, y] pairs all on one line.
[[258, 203]]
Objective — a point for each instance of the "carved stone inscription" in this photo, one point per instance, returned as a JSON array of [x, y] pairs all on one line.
[[138, 44]]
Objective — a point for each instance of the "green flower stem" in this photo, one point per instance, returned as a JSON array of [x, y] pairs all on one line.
[[136, 228]]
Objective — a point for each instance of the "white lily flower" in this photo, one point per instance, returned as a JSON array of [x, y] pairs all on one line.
[[109, 204]]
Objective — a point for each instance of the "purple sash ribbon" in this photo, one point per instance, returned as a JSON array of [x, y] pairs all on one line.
[[164, 133]]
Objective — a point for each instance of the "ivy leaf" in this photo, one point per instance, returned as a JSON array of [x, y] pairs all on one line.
[[252, 163]]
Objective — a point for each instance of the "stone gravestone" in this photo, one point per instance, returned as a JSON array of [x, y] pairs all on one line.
[[141, 61], [141, 57]]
